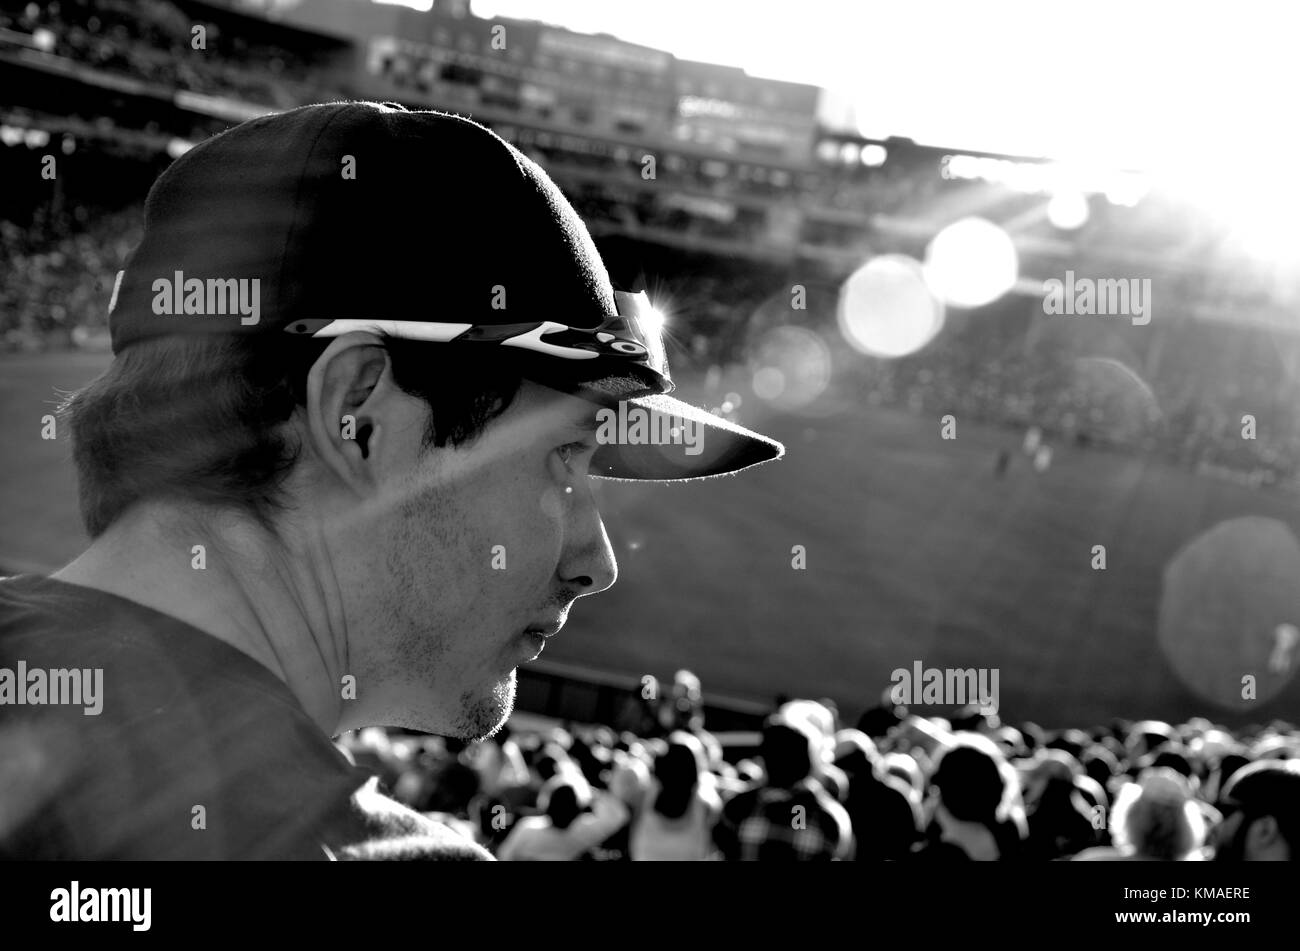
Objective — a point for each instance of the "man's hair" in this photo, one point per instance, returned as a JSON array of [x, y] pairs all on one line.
[[971, 782], [678, 770], [562, 803], [199, 418], [787, 753], [1270, 788]]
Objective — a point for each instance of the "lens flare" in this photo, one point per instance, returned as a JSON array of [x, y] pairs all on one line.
[[1224, 596], [886, 308], [653, 320], [1117, 397], [792, 367], [971, 263], [1068, 210]]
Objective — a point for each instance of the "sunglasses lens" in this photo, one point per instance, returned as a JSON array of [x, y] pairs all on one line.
[[645, 326]]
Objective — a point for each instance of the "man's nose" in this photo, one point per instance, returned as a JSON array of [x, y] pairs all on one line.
[[589, 565]]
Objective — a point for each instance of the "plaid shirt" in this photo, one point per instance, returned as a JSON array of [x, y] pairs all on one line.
[[799, 824]]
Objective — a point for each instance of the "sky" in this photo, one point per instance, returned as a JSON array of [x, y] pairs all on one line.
[[1137, 84]]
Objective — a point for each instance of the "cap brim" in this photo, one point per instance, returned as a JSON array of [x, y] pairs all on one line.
[[673, 441]]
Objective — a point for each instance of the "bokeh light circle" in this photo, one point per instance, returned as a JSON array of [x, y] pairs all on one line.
[[886, 309], [791, 366], [1226, 596], [972, 262], [1068, 210]]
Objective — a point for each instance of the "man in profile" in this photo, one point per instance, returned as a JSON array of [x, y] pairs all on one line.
[[337, 476]]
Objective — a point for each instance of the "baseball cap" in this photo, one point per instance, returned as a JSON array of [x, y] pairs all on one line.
[[419, 225]]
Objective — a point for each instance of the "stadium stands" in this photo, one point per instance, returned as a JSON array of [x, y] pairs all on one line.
[[153, 40]]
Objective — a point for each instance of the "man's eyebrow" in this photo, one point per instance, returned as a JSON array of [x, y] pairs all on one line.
[[586, 422], [566, 425]]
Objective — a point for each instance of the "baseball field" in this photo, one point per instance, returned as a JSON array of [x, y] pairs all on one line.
[[916, 550]]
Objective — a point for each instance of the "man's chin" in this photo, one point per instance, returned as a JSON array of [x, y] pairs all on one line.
[[483, 715]]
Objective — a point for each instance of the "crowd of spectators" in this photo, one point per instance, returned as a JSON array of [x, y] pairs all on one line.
[[1192, 410], [894, 787], [153, 41], [1078, 385], [59, 275]]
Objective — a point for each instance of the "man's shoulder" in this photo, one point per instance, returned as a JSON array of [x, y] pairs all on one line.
[[29, 602], [190, 749], [182, 720], [378, 828], [151, 676], [49, 622]]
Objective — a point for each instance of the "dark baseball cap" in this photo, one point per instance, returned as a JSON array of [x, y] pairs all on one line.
[[420, 225]]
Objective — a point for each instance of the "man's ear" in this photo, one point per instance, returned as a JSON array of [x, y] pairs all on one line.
[[352, 405]]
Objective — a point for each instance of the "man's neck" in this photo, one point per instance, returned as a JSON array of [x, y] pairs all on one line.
[[240, 586]]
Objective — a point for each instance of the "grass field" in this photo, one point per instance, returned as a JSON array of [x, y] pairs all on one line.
[[915, 551]]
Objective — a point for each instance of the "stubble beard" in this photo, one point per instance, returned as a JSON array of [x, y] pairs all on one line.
[[482, 716]]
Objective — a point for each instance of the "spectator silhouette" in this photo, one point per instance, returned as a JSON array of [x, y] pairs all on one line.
[[790, 817], [681, 808], [1154, 819], [886, 818], [574, 821], [1260, 805], [972, 796]]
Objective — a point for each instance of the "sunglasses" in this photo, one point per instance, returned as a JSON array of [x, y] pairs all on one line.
[[633, 335]]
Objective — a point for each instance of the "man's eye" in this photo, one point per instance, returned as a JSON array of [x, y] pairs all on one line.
[[569, 450]]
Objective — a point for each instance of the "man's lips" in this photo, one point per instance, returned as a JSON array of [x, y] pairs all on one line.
[[536, 635]]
